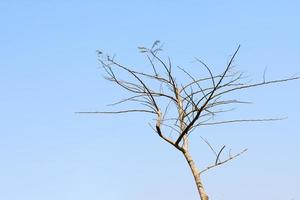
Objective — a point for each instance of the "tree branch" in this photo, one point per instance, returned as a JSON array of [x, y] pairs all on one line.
[[116, 112], [223, 162]]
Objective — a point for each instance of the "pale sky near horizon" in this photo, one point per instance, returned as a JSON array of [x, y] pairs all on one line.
[[49, 70]]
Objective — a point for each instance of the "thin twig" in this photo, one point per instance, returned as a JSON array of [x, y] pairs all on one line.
[[223, 162], [116, 112]]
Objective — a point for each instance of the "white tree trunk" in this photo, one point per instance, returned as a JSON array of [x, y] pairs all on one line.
[[196, 174]]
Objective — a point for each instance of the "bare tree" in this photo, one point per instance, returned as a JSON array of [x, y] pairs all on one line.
[[181, 106]]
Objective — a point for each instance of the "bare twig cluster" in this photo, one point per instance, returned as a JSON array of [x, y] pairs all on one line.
[[180, 108]]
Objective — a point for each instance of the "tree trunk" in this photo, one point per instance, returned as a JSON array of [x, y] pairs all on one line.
[[196, 174]]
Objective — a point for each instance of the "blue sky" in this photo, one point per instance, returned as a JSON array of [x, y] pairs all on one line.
[[49, 71]]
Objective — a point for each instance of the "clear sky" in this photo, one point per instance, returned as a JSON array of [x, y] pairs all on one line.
[[49, 71]]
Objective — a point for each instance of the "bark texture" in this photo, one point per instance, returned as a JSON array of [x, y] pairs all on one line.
[[196, 175]]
